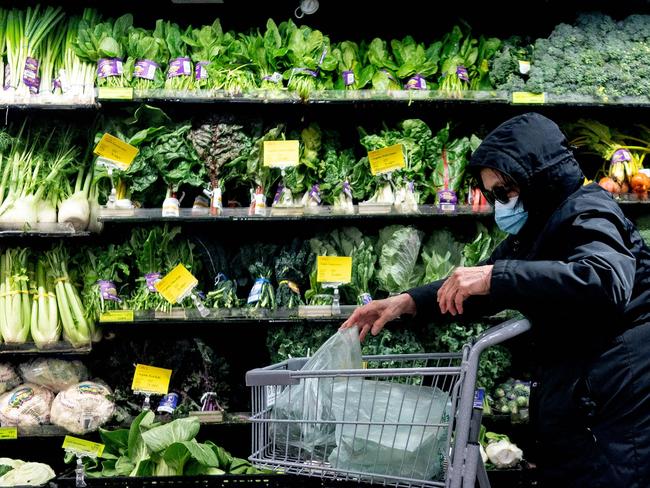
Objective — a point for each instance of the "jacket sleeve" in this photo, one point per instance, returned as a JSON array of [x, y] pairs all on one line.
[[598, 271], [428, 310], [426, 297]]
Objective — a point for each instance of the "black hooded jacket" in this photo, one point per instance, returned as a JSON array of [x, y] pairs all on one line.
[[580, 272]]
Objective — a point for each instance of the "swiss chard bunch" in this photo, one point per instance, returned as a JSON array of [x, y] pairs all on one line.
[[450, 157], [219, 143], [104, 43], [290, 273], [258, 258], [153, 249], [147, 58], [176, 159], [311, 60]]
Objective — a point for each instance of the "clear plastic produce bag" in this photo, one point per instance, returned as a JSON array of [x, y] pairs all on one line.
[[387, 433], [412, 447], [311, 400]]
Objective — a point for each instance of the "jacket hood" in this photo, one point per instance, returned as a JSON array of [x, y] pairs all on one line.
[[533, 151]]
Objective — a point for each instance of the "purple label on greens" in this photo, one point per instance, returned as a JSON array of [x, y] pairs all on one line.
[[179, 67], [348, 78], [314, 193], [447, 200], [389, 75], [34, 86], [56, 83], [347, 189], [7, 82], [461, 72], [278, 193], [621, 156], [145, 69], [30, 73], [109, 67], [365, 298], [305, 71], [200, 73], [108, 291], [322, 57], [416, 83], [274, 78], [151, 280]]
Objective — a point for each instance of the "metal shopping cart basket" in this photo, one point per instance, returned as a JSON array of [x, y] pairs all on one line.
[[404, 420]]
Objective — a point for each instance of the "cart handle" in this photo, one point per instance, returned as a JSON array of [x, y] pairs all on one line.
[[500, 333]]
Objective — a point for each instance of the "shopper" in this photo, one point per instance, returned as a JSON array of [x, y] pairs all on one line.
[[580, 272]]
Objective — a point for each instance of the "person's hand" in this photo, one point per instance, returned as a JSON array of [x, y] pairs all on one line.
[[373, 316], [463, 283]]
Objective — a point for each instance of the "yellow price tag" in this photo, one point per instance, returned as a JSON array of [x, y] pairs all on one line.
[[527, 98], [8, 433], [281, 154], [388, 159], [118, 151], [334, 269], [107, 93], [117, 316], [177, 284], [149, 379], [83, 446]]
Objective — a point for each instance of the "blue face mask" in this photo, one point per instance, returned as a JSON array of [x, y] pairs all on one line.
[[510, 217]]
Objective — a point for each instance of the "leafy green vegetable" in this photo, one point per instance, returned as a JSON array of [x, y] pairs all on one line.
[[290, 272], [452, 337], [258, 258], [441, 254], [399, 250]]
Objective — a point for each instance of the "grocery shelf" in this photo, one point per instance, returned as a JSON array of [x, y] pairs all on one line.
[[324, 97], [41, 229], [47, 101], [224, 316], [189, 215], [58, 348]]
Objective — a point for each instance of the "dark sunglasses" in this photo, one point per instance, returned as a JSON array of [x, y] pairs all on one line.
[[498, 194]]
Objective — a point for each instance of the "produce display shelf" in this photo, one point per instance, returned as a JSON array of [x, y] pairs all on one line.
[[372, 96], [223, 316], [42, 101], [325, 97], [67, 480], [45, 230], [150, 215], [58, 348], [49, 430]]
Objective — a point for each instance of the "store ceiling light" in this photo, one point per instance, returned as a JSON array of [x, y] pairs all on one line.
[[306, 7]]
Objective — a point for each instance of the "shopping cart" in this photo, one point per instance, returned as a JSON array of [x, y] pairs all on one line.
[[348, 424]]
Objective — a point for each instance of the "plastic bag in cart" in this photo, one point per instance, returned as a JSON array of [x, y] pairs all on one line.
[[394, 429], [309, 402], [319, 406]]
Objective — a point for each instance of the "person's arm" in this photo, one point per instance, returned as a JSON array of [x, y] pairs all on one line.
[[598, 272], [428, 309]]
